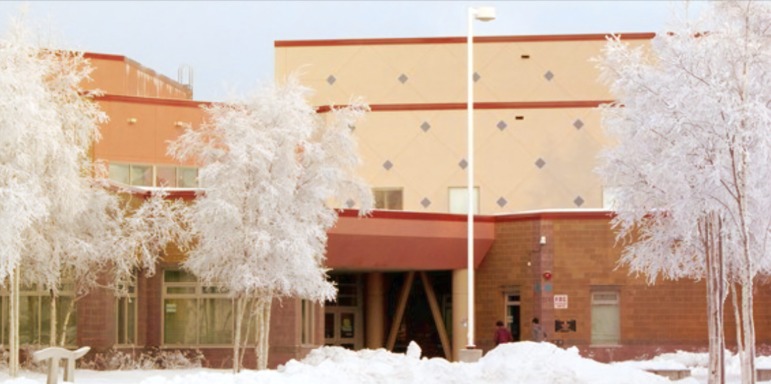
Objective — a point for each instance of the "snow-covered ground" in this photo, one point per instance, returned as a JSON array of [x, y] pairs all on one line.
[[524, 362]]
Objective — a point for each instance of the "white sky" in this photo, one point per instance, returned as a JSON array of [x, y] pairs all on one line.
[[230, 44]]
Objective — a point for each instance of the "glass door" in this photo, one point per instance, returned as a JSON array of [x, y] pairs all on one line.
[[343, 320], [342, 326]]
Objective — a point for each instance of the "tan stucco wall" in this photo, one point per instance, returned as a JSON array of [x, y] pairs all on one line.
[[119, 75], [560, 125], [140, 132]]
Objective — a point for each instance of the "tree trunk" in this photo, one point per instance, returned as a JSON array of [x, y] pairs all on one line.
[[266, 333], [748, 328], [709, 233], [52, 325], [70, 310], [248, 327], [715, 309], [263, 328], [13, 337], [239, 308], [737, 318]]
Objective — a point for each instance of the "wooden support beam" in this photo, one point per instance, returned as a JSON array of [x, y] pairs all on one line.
[[434, 304], [404, 295]]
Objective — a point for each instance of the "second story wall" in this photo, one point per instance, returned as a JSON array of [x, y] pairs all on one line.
[[119, 75]]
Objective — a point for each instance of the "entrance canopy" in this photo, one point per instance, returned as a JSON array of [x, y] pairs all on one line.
[[397, 240]]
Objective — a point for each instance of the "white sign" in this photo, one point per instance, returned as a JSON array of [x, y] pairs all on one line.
[[560, 301]]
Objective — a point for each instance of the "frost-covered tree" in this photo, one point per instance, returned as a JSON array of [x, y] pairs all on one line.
[[149, 226], [691, 162], [271, 169], [51, 211]]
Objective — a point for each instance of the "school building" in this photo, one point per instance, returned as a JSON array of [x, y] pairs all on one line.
[[543, 246]]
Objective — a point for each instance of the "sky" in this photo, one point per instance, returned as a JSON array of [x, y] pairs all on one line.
[[229, 44]]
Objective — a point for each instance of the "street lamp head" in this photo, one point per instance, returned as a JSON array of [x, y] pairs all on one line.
[[484, 13]]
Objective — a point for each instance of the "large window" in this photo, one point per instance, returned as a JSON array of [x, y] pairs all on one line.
[[605, 317], [146, 175], [459, 200], [126, 314], [388, 198], [35, 316], [194, 314]]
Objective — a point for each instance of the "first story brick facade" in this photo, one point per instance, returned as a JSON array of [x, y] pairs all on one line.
[[561, 267]]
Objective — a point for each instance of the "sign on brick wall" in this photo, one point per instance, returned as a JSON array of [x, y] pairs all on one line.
[[560, 301]]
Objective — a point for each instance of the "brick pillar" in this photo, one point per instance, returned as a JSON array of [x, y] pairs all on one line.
[[284, 338], [543, 265], [96, 321], [149, 305]]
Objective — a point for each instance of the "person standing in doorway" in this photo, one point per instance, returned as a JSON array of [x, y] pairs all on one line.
[[502, 334], [538, 333]]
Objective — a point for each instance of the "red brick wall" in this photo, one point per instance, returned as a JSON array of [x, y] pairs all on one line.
[[513, 260], [582, 255], [96, 319]]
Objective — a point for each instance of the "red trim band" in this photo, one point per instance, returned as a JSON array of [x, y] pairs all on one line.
[[459, 40], [153, 100], [479, 105], [103, 56]]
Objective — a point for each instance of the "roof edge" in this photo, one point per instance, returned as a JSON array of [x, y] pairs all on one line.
[[461, 39]]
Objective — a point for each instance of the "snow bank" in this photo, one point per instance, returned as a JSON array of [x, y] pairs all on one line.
[[528, 362], [524, 362]]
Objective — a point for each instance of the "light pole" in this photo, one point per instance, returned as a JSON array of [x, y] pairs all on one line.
[[482, 14]]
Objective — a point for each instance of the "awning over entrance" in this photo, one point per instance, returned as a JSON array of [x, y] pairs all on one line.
[[395, 240]]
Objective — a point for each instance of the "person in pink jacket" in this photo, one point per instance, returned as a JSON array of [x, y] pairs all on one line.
[[502, 334]]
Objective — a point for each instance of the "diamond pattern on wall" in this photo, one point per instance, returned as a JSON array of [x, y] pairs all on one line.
[[502, 202], [388, 165], [578, 123], [502, 125], [331, 79], [425, 126], [476, 77], [403, 78], [350, 203], [425, 202], [540, 163], [548, 75], [463, 164], [578, 201]]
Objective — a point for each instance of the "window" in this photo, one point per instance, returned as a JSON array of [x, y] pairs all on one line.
[[166, 176], [194, 314], [605, 317], [169, 176], [142, 175], [35, 316], [348, 287], [127, 318], [388, 198], [459, 200], [187, 177], [120, 173], [308, 322]]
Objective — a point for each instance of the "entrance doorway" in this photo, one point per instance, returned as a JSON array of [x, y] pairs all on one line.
[[343, 319], [512, 315]]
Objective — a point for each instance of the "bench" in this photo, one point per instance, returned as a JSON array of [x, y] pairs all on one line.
[[53, 355]]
